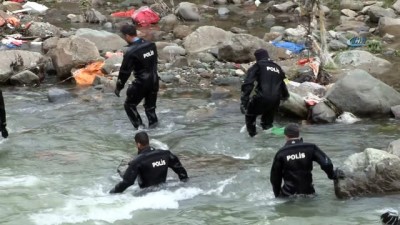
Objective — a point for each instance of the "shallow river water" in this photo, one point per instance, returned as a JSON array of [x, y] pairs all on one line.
[[60, 161]]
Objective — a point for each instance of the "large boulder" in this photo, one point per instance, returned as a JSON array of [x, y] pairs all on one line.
[[361, 94], [72, 52], [355, 5], [43, 30], [205, 38], [396, 111], [168, 22], [394, 147], [369, 173], [396, 6], [376, 12], [240, 48], [322, 113], [352, 25], [388, 25], [284, 7], [104, 41], [25, 77], [363, 60], [58, 95], [14, 61], [295, 106], [187, 11]]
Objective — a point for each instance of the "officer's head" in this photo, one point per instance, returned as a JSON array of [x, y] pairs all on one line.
[[390, 218], [261, 54], [142, 140], [128, 32], [292, 131]]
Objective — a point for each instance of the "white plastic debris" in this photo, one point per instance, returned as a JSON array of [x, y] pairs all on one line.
[[347, 118], [35, 7]]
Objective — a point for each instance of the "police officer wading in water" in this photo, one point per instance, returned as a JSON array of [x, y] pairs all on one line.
[[270, 89], [3, 123], [294, 162], [150, 166], [141, 58]]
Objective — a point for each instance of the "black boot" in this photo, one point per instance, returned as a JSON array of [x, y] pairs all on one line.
[[133, 115], [152, 117]]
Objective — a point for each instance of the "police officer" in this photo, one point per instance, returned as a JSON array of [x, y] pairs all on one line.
[[270, 89], [141, 58], [294, 162], [390, 218], [3, 123], [150, 166]]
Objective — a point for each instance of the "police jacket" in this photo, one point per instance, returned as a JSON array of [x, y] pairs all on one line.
[[150, 167], [2, 112], [141, 58], [270, 82], [293, 163]]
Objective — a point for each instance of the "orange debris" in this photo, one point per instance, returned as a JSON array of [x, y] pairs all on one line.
[[86, 76]]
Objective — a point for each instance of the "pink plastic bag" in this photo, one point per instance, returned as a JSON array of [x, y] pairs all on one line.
[[144, 16]]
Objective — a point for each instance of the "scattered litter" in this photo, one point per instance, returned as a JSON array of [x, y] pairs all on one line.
[[124, 14], [86, 76], [145, 16], [11, 42], [293, 47], [357, 41], [35, 7], [347, 118]]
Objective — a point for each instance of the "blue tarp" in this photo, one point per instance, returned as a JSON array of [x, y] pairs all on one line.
[[293, 47]]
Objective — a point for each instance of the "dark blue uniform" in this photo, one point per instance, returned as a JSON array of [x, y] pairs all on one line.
[[151, 168], [270, 89], [141, 58], [293, 163], [3, 122]]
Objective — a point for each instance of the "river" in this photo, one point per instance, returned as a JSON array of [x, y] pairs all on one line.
[[60, 161]]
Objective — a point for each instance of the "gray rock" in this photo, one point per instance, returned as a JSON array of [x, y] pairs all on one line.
[[388, 25], [336, 45], [104, 40], [108, 25], [220, 2], [277, 29], [187, 11], [49, 44], [376, 12], [43, 30], [269, 19], [180, 61], [363, 60], [226, 81], [220, 93], [205, 57], [199, 114], [396, 6], [76, 18], [223, 11], [394, 148], [181, 31], [349, 13], [238, 30], [306, 88], [295, 106], [284, 7], [13, 61], [352, 25], [396, 112], [322, 113], [25, 77], [355, 5], [58, 95], [94, 16], [240, 49], [112, 64], [71, 52], [205, 38], [168, 22], [168, 78], [369, 173], [174, 51], [361, 94]]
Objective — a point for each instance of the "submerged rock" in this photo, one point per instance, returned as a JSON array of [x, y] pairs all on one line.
[[58, 95]]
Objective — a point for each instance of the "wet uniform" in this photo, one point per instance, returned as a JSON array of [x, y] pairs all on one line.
[[293, 163], [141, 58], [3, 122], [270, 89], [150, 167]]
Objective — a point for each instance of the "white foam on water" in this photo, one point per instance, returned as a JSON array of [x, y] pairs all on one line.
[[111, 208], [158, 144], [18, 181], [243, 129], [347, 118], [247, 156], [221, 186]]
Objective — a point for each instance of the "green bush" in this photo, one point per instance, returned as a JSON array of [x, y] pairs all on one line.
[[374, 46]]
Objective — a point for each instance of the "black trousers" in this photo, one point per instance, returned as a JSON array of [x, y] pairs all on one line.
[[135, 94], [264, 107]]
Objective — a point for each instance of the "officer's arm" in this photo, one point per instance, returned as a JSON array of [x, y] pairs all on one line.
[[127, 66], [248, 84], [324, 161], [2, 110], [276, 175], [127, 180], [284, 90], [177, 167]]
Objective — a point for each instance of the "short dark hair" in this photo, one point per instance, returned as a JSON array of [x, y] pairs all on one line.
[[142, 138], [128, 29], [292, 130]]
